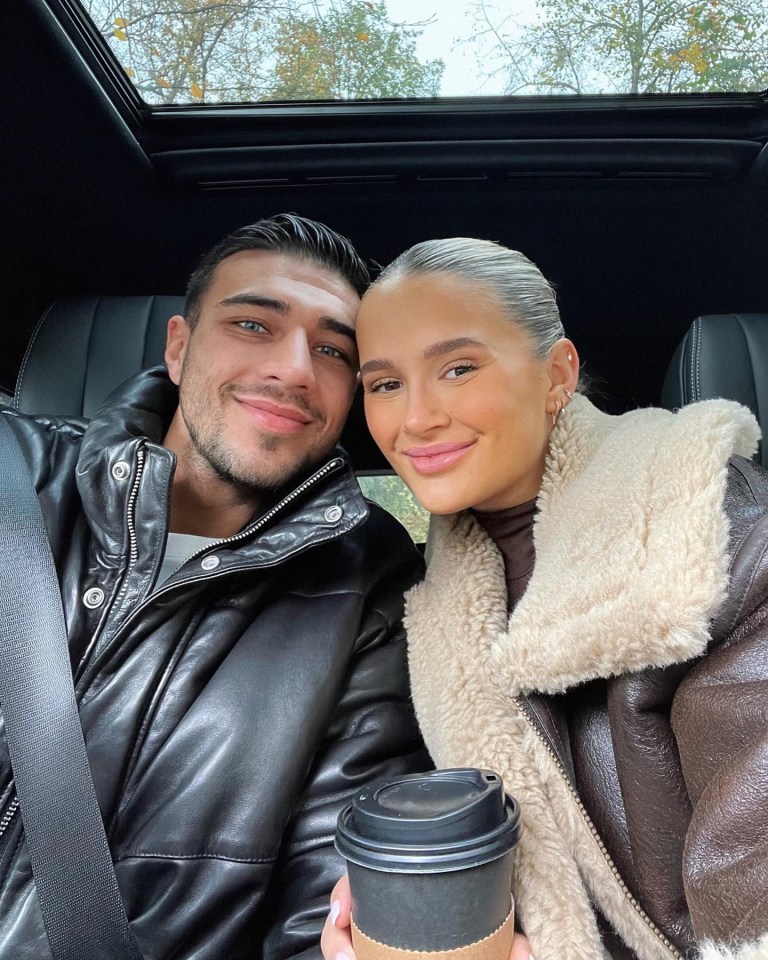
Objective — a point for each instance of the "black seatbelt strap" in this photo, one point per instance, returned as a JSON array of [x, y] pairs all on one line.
[[72, 866]]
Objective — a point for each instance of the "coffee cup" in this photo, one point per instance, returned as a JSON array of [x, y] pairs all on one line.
[[429, 858]]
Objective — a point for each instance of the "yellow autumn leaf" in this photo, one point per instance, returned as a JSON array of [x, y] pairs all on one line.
[[363, 37], [120, 34], [196, 90], [129, 72], [165, 84], [121, 22]]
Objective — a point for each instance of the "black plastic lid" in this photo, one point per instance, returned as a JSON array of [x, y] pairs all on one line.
[[430, 822]]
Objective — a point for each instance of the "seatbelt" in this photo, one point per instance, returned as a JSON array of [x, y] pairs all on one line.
[[75, 878]]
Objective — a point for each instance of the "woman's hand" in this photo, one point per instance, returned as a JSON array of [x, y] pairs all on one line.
[[336, 941]]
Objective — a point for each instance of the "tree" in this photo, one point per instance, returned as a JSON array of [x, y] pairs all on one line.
[[183, 51], [639, 46], [349, 52], [186, 51]]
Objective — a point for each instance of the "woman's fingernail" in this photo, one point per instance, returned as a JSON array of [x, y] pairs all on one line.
[[343, 956], [531, 957], [333, 916]]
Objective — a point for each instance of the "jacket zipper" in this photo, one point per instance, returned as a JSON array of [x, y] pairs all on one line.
[[10, 811], [244, 534], [520, 701], [262, 521], [130, 509]]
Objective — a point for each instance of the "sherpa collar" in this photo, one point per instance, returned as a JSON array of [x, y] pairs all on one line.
[[630, 540]]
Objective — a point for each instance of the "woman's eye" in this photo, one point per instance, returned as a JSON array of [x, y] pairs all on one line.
[[459, 370], [252, 326], [383, 386]]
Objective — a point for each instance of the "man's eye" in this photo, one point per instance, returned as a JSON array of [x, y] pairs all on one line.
[[329, 351], [383, 386], [251, 325]]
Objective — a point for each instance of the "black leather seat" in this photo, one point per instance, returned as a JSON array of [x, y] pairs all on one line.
[[84, 347], [723, 355]]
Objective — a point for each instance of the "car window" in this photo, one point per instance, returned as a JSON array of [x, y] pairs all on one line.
[[391, 493], [251, 51]]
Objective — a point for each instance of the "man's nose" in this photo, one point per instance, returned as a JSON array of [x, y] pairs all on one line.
[[291, 361]]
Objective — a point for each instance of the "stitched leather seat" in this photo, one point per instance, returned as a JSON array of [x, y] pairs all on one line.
[[723, 355], [84, 347]]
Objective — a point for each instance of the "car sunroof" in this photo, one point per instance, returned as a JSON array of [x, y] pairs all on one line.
[[182, 52]]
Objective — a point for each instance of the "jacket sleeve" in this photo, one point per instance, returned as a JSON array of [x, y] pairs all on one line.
[[373, 735], [720, 720]]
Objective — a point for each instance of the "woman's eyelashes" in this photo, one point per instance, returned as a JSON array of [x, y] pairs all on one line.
[[383, 385], [454, 371], [460, 368]]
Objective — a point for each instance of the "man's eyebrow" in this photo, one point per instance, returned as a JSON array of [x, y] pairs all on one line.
[[336, 326], [255, 300], [432, 351]]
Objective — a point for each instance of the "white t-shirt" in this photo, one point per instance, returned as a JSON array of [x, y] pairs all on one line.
[[177, 549]]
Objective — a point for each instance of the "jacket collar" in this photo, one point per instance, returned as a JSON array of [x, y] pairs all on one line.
[[132, 423], [631, 551]]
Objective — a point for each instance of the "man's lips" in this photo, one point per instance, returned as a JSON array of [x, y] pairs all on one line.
[[437, 456], [277, 417]]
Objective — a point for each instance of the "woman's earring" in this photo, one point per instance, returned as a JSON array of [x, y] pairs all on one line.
[[568, 393]]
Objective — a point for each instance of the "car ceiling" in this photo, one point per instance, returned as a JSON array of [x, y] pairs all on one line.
[[643, 213]]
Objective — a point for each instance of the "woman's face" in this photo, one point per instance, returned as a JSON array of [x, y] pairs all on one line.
[[454, 396]]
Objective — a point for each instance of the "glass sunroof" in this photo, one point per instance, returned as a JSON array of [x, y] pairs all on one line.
[[235, 51]]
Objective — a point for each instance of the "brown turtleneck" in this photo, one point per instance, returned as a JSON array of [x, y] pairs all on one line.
[[512, 532]]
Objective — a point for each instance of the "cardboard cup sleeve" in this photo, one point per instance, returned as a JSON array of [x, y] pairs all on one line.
[[496, 946]]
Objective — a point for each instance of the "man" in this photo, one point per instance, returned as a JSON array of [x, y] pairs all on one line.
[[232, 605]]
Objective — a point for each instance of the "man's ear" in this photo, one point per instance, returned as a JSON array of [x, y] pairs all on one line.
[[176, 342]]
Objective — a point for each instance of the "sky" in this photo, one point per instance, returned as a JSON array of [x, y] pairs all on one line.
[[451, 20]]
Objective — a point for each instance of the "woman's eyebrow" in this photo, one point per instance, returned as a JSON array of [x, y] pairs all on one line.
[[448, 346], [432, 351]]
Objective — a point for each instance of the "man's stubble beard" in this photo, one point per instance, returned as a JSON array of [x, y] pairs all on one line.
[[206, 430]]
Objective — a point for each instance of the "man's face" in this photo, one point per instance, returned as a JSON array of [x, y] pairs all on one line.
[[266, 376]]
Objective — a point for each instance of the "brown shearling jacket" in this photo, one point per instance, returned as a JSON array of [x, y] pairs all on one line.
[[624, 699]]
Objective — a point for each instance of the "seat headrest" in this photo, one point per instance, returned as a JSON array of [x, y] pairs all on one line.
[[85, 347], [723, 355]]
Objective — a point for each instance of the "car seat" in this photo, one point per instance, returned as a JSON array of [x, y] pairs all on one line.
[[723, 355]]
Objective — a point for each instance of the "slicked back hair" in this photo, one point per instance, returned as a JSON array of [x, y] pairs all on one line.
[[517, 284], [285, 233]]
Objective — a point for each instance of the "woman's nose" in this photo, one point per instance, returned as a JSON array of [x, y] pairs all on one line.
[[424, 413]]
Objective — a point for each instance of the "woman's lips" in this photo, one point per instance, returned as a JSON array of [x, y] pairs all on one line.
[[437, 456], [275, 416]]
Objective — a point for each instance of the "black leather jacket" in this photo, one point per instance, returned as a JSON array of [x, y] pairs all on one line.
[[230, 714]]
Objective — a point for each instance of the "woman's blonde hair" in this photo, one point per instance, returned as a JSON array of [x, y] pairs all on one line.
[[522, 290]]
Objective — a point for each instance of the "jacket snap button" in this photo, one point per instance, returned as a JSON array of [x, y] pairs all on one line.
[[121, 470], [93, 598], [210, 563], [333, 514]]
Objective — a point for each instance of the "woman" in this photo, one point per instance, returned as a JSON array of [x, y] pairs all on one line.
[[593, 620]]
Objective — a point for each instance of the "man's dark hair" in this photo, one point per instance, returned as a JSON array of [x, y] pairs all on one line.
[[284, 233]]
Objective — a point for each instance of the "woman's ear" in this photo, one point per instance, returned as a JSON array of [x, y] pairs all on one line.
[[564, 368], [176, 340]]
